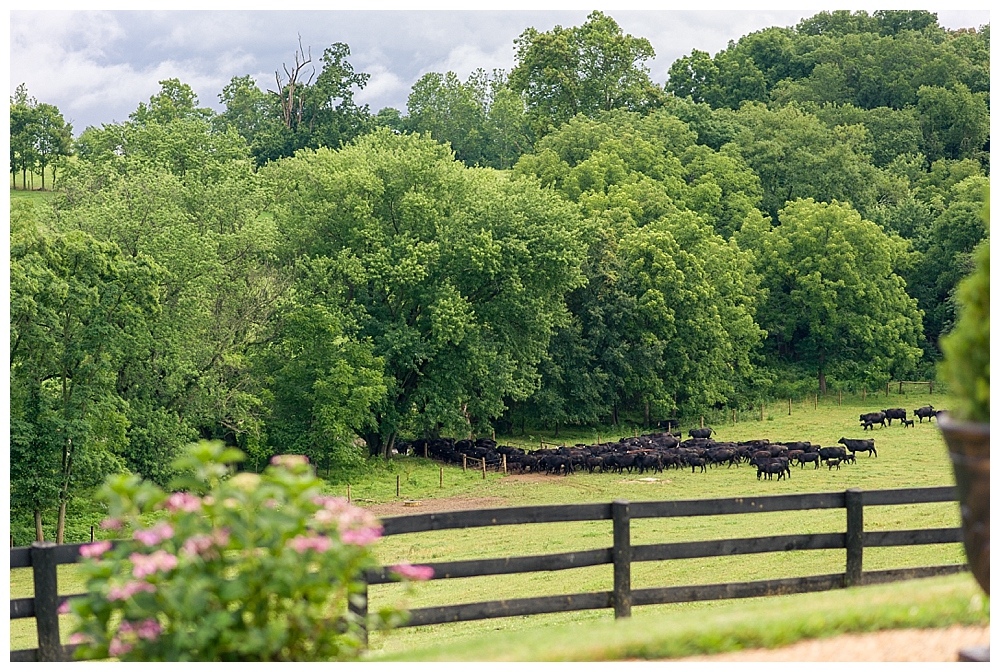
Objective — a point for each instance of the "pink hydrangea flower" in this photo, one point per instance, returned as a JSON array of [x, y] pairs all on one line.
[[96, 549], [197, 545], [111, 524], [155, 534], [63, 608], [361, 537], [118, 647], [78, 638], [130, 589], [302, 543], [149, 629], [183, 501], [160, 560], [413, 572]]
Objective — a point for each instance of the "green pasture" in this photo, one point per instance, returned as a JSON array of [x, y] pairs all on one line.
[[907, 457]]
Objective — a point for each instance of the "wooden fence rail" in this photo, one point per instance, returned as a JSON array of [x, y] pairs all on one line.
[[44, 557]]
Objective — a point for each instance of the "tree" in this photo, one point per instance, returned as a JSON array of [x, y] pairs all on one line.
[[456, 276], [76, 305], [582, 70], [955, 122], [482, 118], [665, 320], [54, 139], [23, 123], [186, 196], [796, 156], [834, 300]]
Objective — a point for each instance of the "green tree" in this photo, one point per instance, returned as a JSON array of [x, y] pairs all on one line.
[[796, 156], [456, 276], [955, 122], [482, 118], [834, 300], [23, 122], [54, 140], [582, 70], [946, 248], [76, 306], [185, 194]]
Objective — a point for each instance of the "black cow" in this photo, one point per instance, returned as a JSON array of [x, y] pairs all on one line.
[[669, 424], [833, 463], [860, 445], [925, 412], [832, 452], [696, 462], [869, 419], [907, 423], [702, 433], [808, 457], [894, 414]]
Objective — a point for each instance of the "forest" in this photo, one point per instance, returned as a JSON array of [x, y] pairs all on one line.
[[565, 244]]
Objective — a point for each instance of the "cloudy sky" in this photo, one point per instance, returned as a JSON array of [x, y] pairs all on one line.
[[96, 66]]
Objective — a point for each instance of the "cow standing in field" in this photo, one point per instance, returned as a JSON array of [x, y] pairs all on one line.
[[894, 414], [701, 433], [868, 420], [860, 445], [925, 412]]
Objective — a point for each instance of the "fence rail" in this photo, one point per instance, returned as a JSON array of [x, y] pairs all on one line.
[[44, 557]]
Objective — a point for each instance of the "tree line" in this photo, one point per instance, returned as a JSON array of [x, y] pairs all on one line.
[[568, 243]]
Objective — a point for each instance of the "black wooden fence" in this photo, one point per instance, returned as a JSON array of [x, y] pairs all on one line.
[[43, 557]]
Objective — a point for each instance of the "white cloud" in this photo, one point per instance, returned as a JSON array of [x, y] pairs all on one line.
[[96, 66]]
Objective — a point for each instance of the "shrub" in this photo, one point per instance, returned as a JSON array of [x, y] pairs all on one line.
[[966, 364], [240, 567]]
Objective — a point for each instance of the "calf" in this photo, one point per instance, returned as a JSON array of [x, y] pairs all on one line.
[[833, 463], [907, 423]]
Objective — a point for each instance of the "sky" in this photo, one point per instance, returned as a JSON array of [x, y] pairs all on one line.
[[97, 66]]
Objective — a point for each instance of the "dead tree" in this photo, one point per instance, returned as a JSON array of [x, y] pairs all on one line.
[[292, 92]]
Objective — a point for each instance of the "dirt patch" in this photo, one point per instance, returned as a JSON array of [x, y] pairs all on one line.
[[887, 646], [403, 508]]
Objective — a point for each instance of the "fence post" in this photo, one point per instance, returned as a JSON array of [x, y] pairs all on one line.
[[864, 393], [43, 567], [441, 478], [503, 457], [855, 538], [397, 485], [789, 405], [465, 464], [622, 554], [484, 467], [357, 604]]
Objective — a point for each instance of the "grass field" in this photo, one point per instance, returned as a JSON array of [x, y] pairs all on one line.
[[908, 457]]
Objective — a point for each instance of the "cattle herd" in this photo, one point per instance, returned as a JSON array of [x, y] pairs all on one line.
[[869, 420], [649, 453]]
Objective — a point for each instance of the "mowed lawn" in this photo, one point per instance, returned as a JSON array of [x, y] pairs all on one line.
[[907, 457]]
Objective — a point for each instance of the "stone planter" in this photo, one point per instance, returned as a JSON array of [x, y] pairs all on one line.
[[969, 449]]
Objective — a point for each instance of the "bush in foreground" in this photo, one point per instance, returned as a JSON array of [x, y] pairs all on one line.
[[240, 567]]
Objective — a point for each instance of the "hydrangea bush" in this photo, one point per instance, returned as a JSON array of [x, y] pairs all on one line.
[[237, 567]]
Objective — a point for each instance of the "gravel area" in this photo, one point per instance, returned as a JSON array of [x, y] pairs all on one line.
[[887, 646]]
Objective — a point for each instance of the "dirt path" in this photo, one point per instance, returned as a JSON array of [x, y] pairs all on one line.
[[901, 646]]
